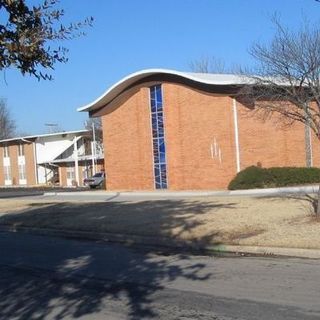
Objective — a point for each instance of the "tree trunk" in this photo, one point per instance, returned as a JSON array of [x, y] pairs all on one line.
[[307, 138], [317, 212]]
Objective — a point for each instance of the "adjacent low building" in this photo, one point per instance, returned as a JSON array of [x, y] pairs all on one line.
[[165, 129], [63, 158]]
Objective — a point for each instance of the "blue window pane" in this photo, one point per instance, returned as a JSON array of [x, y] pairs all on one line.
[[158, 94], [160, 129], [164, 185], [159, 106], [163, 172], [154, 126], [156, 158], [160, 132], [159, 150], [162, 157], [154, 118], [162, 147], [153, 93], [157, 173], [155, 145], [153, 105]]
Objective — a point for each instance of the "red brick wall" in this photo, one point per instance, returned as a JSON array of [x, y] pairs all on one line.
[[30, 164], [193, 121], [63, 176], [128, 145], [29, 161]]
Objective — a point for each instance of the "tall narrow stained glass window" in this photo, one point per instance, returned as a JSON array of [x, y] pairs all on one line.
[[158, 139]]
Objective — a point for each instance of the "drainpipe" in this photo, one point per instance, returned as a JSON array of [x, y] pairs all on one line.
[[236, 133]]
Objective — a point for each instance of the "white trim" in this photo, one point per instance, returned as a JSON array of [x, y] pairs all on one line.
[[35, 163], [205, 78], [22, 173], [70, 174], [6, 164], [44, 135], [236, 133]]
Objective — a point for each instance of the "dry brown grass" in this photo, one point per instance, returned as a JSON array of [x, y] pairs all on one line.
[[281, 222]]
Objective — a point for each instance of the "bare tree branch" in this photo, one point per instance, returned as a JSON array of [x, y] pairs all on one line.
[[29, 33], [7, 124], [286, 78]]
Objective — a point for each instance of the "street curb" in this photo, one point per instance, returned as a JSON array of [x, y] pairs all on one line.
[[168, 243], [268, 251], [166, 194]]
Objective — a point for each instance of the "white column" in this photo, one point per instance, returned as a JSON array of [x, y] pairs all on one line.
[[94, 150], [93, 158], [35, 162], [76, 164], [236, 133]]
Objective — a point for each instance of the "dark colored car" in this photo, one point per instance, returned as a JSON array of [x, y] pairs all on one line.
[[95, 181]]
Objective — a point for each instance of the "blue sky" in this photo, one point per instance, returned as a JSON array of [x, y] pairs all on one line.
[[130, 35]]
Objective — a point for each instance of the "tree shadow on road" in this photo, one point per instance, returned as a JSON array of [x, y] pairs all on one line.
[[176, 220], [75, 278]]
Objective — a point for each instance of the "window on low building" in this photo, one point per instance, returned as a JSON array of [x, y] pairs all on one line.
[[70, 172], [21, 149], [5, 151], [7, 173], [22, 172]]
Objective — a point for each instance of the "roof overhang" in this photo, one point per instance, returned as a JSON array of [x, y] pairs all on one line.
[[71, 159], [221, 83], [34, 137]]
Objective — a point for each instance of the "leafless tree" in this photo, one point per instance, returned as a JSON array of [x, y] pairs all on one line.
[[208, 65], [7, 124], [96, 125], [212, 65], [286, 79]]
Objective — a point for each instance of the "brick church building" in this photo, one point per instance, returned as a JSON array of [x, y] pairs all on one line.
[[165, 129]]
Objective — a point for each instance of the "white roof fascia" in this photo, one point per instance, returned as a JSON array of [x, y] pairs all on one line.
[[205, 78], [70, 159], [45, 135]]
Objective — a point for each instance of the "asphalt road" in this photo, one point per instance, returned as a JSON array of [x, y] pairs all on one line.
[[54, 278]]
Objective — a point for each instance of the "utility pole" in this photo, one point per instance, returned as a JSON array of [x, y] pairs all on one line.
[[94, 150]]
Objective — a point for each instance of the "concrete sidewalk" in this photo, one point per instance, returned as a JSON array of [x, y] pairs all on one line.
[[166, 194]]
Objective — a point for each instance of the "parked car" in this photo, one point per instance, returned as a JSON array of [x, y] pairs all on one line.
[[95, 181], [54, 180]]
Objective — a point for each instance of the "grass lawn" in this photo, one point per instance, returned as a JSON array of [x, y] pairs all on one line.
[[280, 222]]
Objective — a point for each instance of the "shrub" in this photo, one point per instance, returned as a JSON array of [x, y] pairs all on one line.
[[256, 177]]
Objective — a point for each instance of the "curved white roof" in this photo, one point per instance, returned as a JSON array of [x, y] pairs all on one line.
[[120, 86]]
